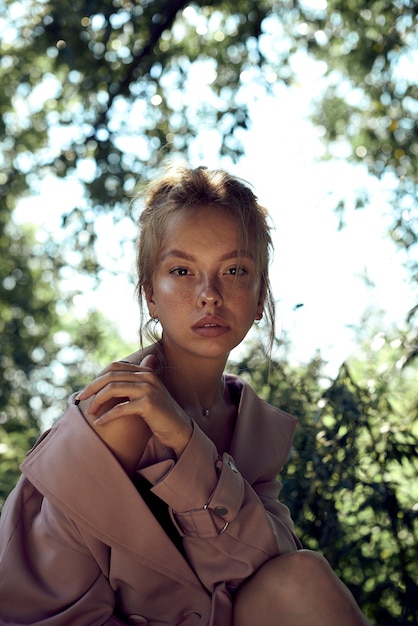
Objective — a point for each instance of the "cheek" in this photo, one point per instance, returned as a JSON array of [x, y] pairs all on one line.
[[169, 295], [247, 298], [163, 288]]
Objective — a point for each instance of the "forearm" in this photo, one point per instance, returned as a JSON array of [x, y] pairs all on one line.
[[220, 516]]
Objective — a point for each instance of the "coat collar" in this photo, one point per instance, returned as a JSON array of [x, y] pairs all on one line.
[[264, 427]]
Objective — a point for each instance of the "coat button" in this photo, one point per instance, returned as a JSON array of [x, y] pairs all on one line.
[[221, 511], [233, 467], [137, 619]]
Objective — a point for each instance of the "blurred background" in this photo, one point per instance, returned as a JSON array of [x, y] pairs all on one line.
[[315, 104]]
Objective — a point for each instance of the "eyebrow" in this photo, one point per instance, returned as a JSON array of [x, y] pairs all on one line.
[[234, 254]]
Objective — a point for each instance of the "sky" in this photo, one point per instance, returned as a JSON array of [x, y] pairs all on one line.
[[315, 265]]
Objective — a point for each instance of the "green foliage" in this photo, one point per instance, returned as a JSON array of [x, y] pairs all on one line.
[[351, 480], [104, 91], [371, 99], [109, 78]]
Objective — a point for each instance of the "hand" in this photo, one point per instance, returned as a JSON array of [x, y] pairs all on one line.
[[128, 403]]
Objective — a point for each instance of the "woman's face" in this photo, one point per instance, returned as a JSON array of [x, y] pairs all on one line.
[[204, 292]]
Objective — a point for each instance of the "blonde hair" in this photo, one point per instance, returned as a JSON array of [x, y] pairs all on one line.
[[181, 187]]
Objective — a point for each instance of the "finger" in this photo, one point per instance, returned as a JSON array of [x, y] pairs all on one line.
[[113, 412], [149, 361], [117, 385], [110, 396], [121, 367]]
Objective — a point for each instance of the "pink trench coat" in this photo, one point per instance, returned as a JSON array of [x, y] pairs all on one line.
[[80, 547]]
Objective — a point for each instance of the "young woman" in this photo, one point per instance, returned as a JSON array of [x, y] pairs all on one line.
[[154, 498]]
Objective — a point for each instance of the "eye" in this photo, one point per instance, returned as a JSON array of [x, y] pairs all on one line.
[[237, 270], [179, 271]]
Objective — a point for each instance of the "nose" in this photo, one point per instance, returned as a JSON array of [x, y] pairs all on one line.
[[210, 294]]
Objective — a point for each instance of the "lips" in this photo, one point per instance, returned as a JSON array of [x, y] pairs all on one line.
[[211, 326], [212, 321]]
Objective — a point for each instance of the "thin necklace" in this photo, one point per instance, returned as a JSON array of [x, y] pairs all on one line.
[[206, 412]]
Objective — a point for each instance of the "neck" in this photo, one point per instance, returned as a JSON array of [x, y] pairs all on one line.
[[196, 384]]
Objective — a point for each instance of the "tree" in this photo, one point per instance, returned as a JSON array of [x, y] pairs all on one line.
[[370, 103], [103, 92]]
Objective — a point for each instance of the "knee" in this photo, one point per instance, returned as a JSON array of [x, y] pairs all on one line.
[[288, 578], [296, 588], [294, 572], [302, 564]]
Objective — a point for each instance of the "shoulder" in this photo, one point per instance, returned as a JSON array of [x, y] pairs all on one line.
[[74, 470], [66, 455]]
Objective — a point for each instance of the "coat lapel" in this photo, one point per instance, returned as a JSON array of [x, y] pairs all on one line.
[[259, 426]]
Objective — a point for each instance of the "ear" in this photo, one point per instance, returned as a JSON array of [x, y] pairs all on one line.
[[260, 309], [259, 314], [261, 303], [151, 304]]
